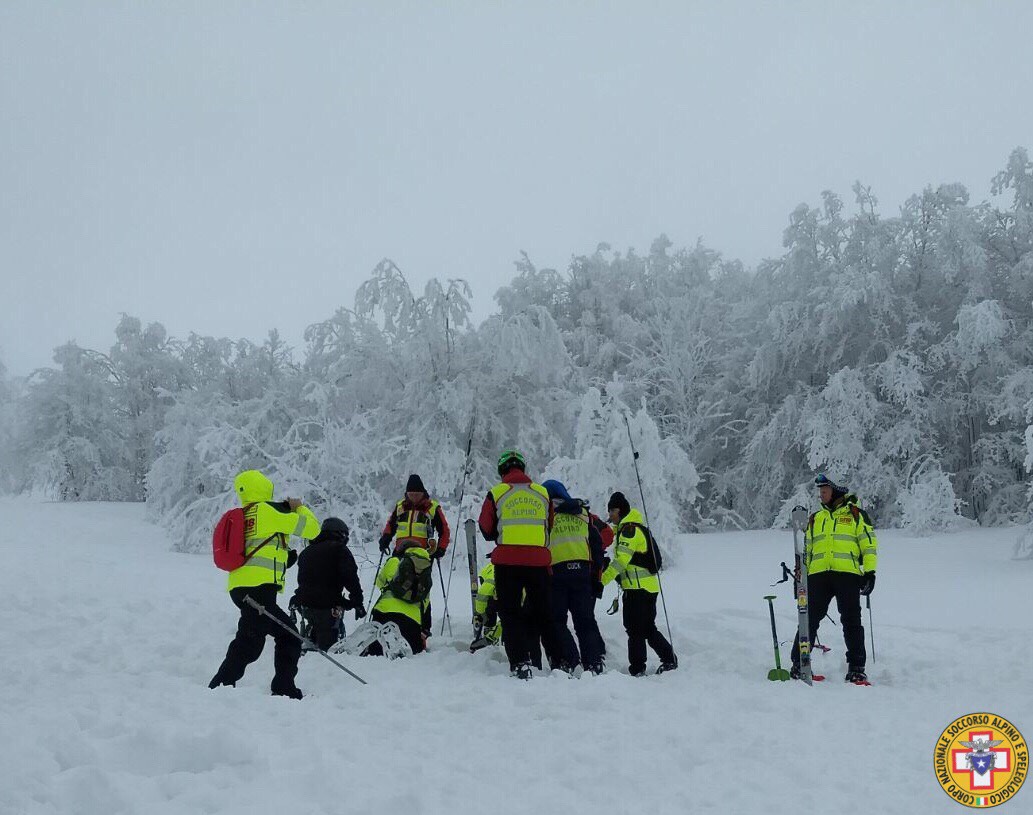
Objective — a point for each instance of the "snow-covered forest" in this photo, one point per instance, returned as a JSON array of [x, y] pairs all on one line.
[[893, 350]]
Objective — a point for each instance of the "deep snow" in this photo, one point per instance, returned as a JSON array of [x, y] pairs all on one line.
[[109, 640]]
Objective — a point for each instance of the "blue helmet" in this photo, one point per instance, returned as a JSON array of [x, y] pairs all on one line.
[[556, 489]]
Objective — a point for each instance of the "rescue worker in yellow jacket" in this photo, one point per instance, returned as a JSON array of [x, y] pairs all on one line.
[[404, 582], [634, 564], [840, 554], [415, 519], [267, 526], [487, 630], [517, 516]]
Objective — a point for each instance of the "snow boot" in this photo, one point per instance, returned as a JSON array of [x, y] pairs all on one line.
[[523, 671], [668, 666], [291, 690], [857, 676]]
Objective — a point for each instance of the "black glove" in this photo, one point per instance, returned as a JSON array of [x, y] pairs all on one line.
[[292, 558], [385, 541], [597, 590], [438, 553], [360, 611], [345, 603], [869, 584]]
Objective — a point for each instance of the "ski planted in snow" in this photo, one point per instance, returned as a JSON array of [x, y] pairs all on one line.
[[799, 522]]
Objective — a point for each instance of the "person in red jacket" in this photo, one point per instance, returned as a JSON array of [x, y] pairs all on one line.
[[517, 516], [414, 520]]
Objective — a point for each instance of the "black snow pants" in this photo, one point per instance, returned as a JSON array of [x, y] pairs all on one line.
[[571, 592], [640, 623], [324, 629], [523, 603], [846, 588], [252, 629], [411, 631]]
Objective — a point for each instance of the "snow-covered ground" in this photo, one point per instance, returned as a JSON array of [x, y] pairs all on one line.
[[109, 639]]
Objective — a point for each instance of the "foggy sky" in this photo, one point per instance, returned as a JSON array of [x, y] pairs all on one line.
[[228, 168]]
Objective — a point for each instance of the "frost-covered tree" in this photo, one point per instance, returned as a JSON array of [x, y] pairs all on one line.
[[896, 349]]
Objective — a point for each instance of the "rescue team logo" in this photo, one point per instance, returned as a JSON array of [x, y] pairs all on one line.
[[981, 760]]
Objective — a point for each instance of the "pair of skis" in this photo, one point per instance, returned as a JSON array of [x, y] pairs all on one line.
[[778, 673]]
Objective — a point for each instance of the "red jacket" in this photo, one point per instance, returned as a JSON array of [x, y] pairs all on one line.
[[604, 529], [489, 523], [438, 522]]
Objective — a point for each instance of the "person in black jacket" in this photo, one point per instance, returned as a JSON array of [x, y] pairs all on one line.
[[326, 570]]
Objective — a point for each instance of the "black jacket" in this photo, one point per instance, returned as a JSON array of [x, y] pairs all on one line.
[[326, 569]]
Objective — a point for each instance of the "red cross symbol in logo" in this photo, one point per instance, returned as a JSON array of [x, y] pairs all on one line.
[[981, 766]]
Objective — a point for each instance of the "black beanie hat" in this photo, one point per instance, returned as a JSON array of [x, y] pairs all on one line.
[[619, 502], [414, 484]]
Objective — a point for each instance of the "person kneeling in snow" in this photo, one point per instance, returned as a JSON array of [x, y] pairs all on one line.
[[326, 569], [267, 526], [405, 583], [487, 630]]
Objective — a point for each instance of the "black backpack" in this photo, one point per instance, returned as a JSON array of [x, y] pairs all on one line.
[[652, 558], [413, 580]]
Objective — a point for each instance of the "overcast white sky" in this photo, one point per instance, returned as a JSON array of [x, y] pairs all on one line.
[[232, 167]]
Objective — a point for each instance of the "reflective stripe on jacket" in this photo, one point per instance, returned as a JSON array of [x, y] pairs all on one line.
[[523, 514], [266, 530], [414, 525], [630, 540], [841, 540], [569, 538]]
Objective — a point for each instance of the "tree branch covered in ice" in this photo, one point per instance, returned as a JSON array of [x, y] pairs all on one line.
[[896, 351]]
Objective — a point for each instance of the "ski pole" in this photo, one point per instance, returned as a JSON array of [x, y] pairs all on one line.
[[871, 628], [462, 492], [649, 537], [304, 640], [373, 587], [778, 673], [444, 597]]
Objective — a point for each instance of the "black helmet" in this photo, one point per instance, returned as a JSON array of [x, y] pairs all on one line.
[[334, 527]]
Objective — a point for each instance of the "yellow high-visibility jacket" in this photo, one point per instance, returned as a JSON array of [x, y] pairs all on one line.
[[841, 539]]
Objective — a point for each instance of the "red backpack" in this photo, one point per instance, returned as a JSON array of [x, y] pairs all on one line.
[[229, 550]]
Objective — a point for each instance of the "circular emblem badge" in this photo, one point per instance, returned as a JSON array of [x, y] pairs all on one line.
[[981, 760]]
